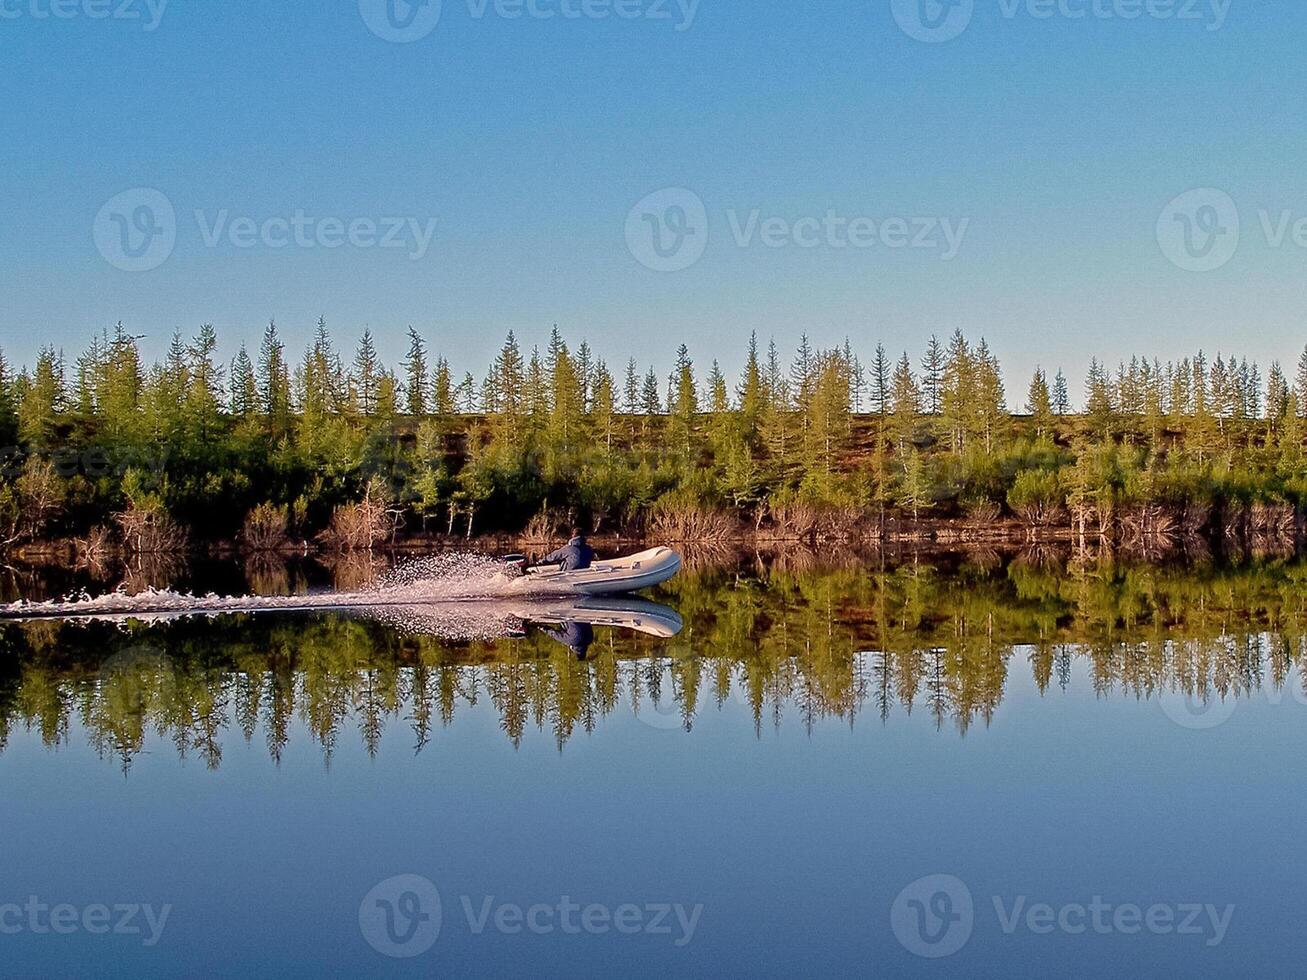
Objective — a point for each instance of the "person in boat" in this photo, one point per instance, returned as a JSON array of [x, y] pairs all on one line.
[[574, 556], [577, 637]]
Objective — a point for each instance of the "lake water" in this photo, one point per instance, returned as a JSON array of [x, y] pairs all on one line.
[[950, 765]]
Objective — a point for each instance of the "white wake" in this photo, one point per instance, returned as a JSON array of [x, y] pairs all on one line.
[[453, 578]]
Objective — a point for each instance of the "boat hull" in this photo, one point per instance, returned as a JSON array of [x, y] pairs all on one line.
[[615, 577]]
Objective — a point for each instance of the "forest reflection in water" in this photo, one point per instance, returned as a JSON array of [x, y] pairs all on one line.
[[786, 640]]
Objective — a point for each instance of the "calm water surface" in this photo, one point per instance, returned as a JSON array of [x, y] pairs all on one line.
[[961, 765]]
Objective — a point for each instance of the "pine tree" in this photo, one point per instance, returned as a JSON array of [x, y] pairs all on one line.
[[386, 409], [415, 374], [803, 376], [989, 405], [367, 374], [1155, 406], [120, 391], [42, 401], [906, 400], [443, 400], [958, 391], [603, 404], [90, 369], [631, 390], [465, 396], [717, 398], [1061, 395], [537, 393], [1277, 396], [585, 369], [932, 375], [828, 411], [317, 389], [1099, 409], [8, 414], [682, 401], [914, 491], [650, 406], [1202, 424], [244, 401], [274, 382], [568, 401], [1300, 382], [1039, 404], [1291, 436], [880, 382], [720, 422], [650, 399], [752, 392], [857, 377], [205, 383], [775, 428]]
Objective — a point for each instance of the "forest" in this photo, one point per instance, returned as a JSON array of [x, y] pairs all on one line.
[[795, 644], [333, 450]]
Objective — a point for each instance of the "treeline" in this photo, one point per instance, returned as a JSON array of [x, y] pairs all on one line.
[[272, 447], [910, 638]]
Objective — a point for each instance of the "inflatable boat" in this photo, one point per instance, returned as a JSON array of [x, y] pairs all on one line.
[[637, 615], [612, 577]]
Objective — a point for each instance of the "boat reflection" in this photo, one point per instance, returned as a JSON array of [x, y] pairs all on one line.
[[570, 621]]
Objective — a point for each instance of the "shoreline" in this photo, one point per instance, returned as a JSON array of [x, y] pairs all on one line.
[[933, 534]]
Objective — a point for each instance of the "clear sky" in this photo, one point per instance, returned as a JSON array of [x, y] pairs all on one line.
[[1048, 143]]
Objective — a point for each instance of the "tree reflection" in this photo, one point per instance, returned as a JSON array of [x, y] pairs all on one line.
[[793, 642]]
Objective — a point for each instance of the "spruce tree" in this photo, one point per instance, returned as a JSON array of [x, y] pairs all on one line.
[[932, 375], [631, 389], [42, 400], [244, 400], [603, 404], [752, 392], [1039, 404], [415, 376], [442, 390], [957, 391], [367, 374], [8, 414], [906, 403], [881, 401], [1300, 382], [274, 382], [204, 385], [1061, 395]]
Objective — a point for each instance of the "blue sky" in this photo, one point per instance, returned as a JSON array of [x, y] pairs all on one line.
[[1057, 140]]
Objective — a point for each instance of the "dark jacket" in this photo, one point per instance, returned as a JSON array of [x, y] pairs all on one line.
[[576, 636], [573, 556]]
